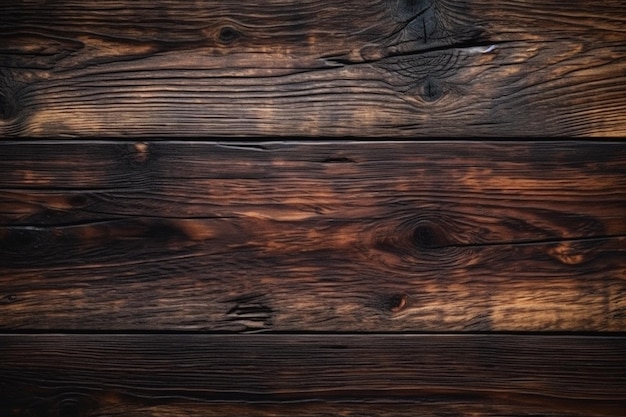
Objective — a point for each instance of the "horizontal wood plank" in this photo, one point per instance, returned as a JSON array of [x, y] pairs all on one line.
[[311, 375], [362, 67], [435, 407], [418, 236]]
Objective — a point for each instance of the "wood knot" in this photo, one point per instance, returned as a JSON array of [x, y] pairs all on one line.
[[427, 235], [228, 34], [395, 302], [78, 201], [139, 153], [569, 253], [9, 299], [432, 90], [9, 102], [6, 108], [251, 312], [69, 407]]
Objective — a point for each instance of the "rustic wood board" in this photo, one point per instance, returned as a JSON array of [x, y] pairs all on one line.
[[312, 375], [315, 68], [326, 236]]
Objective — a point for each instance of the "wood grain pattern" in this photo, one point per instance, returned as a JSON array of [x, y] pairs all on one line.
[[78, 404], [390, 279], [418, 236], [314, 68], [311, 375]]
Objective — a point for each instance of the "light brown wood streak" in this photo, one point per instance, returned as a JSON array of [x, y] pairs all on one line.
[[287, 68], [313, 237]]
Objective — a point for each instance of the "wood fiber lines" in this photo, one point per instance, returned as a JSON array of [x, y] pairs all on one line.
[[446, 238], [312, 375], [380, 279], [313, 237], [376, 68]]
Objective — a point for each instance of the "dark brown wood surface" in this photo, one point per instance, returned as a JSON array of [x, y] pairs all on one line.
[[315, 68], [127, 267], [334, 236], [312, 375], [469, 277]]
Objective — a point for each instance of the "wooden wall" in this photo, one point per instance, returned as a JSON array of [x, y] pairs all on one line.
[[385, 208]]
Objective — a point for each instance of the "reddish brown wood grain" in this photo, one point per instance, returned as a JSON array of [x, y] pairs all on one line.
[[414, 236]]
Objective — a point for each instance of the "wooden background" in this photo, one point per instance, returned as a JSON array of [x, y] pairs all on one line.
[[401, 68], [168, 247]]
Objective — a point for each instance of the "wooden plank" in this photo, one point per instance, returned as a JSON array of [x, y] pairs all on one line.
[[418, 236], [120, 406], [363, 67], [380, 375]]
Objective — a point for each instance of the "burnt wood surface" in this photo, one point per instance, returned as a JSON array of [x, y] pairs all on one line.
[[331, 236], [312, 375], [168, 249], [128, 267], [315, 68]]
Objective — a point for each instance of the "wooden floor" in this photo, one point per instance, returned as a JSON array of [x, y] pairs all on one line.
[[312, 208]]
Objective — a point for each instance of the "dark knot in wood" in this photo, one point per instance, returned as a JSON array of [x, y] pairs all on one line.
[[432, 90], [77, 200], [396, 302], [9, 102], [8, 299], [427, 235], [5, 106], [228, 34]]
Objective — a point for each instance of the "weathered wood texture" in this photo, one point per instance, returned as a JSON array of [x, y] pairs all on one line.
[[333, 236], [286, 67], [312, 375]]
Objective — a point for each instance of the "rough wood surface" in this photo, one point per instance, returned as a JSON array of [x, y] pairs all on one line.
[[286, 67], [311, 375], [417, 236]]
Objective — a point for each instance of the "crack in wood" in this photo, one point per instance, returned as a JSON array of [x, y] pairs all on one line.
[[531, 242], [250, 312]]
